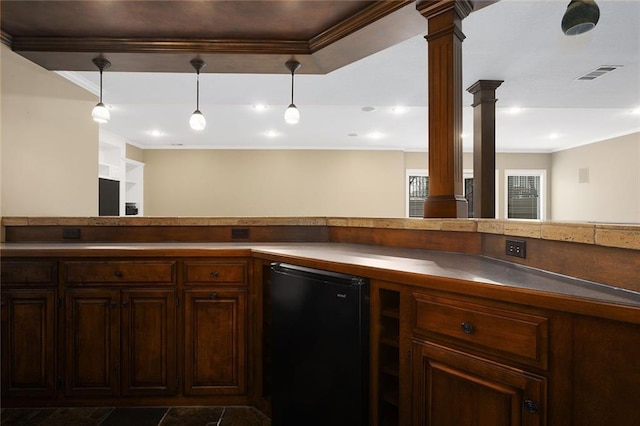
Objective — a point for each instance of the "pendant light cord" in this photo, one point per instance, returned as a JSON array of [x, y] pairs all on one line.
[[198, 90], [100, 85], [292, 78]]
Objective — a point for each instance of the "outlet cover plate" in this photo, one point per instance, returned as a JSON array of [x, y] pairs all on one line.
[[517, 248]]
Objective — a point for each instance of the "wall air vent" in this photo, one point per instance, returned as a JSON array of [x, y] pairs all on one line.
[[598, 72]]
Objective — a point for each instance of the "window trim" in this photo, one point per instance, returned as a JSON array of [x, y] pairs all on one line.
[[408, 174], [542, 173]]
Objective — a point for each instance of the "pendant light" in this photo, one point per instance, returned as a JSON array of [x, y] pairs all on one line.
[[580, 17], [197, 120], [100, 112], [292, 115]]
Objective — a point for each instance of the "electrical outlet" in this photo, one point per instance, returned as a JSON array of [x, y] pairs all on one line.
[[517, 248], [71, 233], [239, 233]]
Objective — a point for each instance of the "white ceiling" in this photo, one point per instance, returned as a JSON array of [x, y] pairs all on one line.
[[517, 41]]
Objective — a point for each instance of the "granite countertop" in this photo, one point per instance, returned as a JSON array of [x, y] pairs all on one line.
[[461, 273]]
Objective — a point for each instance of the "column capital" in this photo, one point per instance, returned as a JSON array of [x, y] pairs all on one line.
[[484, 91], [484, 85], [430, 8]]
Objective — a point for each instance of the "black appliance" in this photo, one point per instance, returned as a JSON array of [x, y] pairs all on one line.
[[108, 197], [130, 209], [320, 348]]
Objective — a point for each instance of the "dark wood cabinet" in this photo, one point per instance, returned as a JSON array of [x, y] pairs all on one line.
[[120, 342], [161, 328], [29, 333], [215, 341], [118, 332], [502, 333], [454, 388], [92, 335], [28, 343], [606, 372], [475, 361], [148, 335], [120, 329]]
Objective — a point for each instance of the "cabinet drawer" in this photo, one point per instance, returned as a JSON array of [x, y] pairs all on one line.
[[215, 272], [155, 272], [28, 272], [521, 337]]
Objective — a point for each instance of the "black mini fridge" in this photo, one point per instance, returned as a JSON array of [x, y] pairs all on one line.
[[320, 348]]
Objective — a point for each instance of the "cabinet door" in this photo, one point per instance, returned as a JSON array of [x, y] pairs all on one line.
[[28, 343], [148, 342], [215, 342], [453, 388], [92, 342]]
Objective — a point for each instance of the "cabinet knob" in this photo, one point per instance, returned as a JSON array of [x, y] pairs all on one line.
[[119, 274], [467, 327], [213, 295], [531, 406], [214, 274], [124, 303]]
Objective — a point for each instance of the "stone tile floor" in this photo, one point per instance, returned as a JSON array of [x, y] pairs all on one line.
[[134, 416]]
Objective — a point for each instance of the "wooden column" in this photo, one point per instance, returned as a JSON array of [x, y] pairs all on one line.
[[484, 147], [444, 41]]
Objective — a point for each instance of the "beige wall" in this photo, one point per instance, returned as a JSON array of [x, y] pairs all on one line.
[[307, 183], [612, 192], [274, 183], [134, 153], [49, 143]]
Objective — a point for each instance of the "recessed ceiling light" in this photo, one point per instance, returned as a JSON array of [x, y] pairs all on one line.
[[554, 135], [399, 109], [515, 110], [271, 134], [375, 135], [368, 108], [636, 111], [261, 107], [155, 133]]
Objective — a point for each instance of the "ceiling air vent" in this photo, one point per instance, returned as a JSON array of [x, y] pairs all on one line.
[[598, 72]]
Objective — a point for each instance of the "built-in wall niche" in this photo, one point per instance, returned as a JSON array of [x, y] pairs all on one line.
[[134, 188], [114, 166], [110, 162]]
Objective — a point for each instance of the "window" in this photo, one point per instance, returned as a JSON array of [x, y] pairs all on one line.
[[525, 190], [467, 180], [418, 191]]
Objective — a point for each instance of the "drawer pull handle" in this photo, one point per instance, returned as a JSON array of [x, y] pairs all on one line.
[[531, 406], [119, 274], [467, 327], [213, 295], [214, 274]]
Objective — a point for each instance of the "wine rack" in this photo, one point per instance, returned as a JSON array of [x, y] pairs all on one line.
[[388, 358]]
